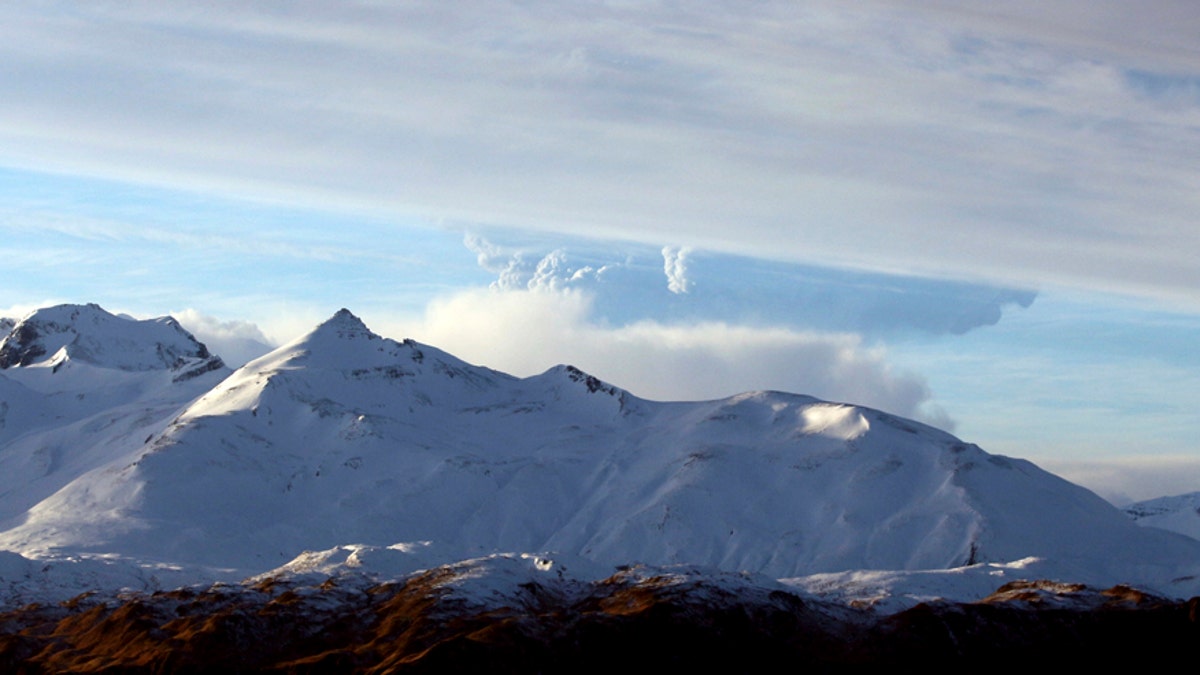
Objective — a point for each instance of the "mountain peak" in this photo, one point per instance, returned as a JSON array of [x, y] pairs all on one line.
[[593, 383], [341, 342], [344, 324], [346, 315], [92, 334]]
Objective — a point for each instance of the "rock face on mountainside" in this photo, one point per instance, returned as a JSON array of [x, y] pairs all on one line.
[[343, 436]]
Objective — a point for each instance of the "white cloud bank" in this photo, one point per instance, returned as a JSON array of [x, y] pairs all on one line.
[[526, 332], [236, 342]]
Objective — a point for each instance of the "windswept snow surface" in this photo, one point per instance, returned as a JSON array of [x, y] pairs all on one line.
[[344, 437]]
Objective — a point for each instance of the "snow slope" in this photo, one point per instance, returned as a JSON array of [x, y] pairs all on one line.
[[1180, 513], [345, 437], [80, 386]]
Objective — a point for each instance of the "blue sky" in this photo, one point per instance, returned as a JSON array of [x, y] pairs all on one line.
[[978, 214]]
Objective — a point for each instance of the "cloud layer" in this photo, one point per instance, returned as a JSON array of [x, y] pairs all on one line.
[[1035, 143]]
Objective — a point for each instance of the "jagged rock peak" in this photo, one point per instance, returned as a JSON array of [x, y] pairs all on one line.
[[90, 333]]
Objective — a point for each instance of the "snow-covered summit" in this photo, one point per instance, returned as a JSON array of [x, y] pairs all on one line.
[[54, 336], [342, 364], [346, 324]]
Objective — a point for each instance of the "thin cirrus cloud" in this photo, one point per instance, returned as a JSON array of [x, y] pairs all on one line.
[[1020, 143]]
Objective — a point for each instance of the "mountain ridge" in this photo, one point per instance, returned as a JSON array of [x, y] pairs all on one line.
[[346, 437], [52, 335]]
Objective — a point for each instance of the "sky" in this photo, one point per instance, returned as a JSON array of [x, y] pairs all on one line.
[[977, 214]]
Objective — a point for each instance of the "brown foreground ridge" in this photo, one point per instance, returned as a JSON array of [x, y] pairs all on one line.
[[620, 624]]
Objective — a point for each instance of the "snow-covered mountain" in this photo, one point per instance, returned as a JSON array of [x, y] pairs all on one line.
[[345, 437], [56, 336], [79, 387], [1180, 513]]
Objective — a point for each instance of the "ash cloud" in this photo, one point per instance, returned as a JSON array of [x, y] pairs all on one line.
[[516, 270], [675, 266]]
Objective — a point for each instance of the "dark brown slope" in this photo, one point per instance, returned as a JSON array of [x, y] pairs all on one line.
[[622, 624]]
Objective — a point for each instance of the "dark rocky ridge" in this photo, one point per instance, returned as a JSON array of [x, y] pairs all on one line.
[[626, 623], [21, 348]]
